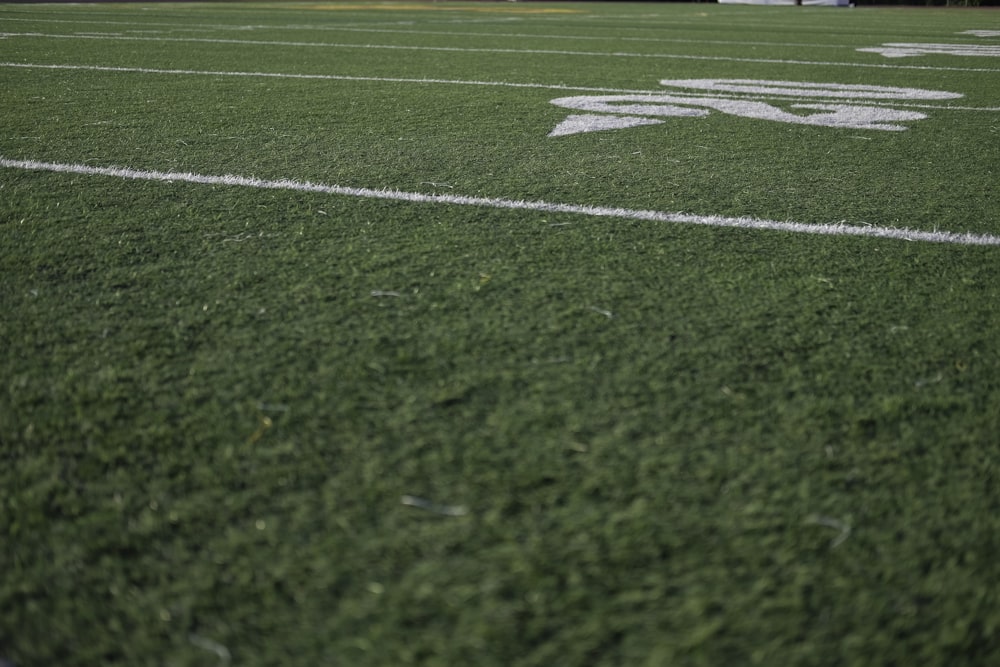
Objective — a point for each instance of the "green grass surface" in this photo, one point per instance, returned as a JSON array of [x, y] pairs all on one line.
[[634, 443]]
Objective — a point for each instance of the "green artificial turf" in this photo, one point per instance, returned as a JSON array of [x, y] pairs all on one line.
[[268, 427]]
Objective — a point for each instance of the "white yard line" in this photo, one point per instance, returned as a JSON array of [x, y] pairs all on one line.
[[455, 82], [582, 38], [838, 229], [327, 77], [443, 33], [455, 49]]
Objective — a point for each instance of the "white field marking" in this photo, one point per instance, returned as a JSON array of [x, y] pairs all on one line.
[[836, 229], [799, 89], [829, 115], [186, 27], [456, 49], [579, 123], [538, 36], [447, 33], [636, 107], [903, 50], [329, 77], [205, 27], [454, 82], [982, 33]]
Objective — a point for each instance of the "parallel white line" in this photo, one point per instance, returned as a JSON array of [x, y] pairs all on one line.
[[582, 38], [456, 49], [330, 77], [837, 229], [445, 33], [461, 82]]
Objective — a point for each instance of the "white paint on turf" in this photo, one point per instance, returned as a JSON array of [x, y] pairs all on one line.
[[904, 50], [322, 77], [578, 123], [630, 109], [425, 81], [828, 115], [206, 27], [836, 229], [456, 49], [845, 91]]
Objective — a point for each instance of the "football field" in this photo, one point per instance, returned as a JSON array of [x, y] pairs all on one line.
[[510, 334]]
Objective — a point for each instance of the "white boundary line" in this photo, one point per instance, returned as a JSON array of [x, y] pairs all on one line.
[[838, 229], [582, 38], [463, 82], [456, 49], [648, 21], [335, 77], [447, 33]]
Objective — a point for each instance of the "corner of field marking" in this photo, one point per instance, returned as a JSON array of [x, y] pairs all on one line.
[[580, 123]]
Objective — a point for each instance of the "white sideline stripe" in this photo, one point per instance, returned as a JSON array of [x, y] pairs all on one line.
[[465, 82], [838, 229], [457, 49]]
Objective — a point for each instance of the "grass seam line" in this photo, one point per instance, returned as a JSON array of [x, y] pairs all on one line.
[[837, 229]]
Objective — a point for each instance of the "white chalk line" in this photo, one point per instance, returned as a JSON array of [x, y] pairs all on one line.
[[646, 21], [459, 82], [838, 229], [327, 77], [445, 33], [456, 49], [581, 38]]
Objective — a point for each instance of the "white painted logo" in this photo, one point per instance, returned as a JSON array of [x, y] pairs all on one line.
[[904, 50], [859, 107], [981, 33]]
